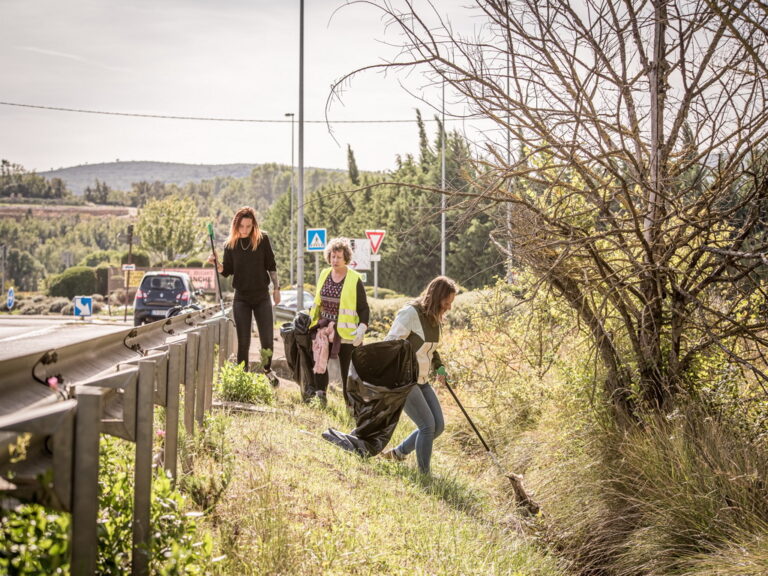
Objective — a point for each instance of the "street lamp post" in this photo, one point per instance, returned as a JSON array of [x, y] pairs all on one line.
[[300, 187], [442, 188], [5, 255], [290, 205]]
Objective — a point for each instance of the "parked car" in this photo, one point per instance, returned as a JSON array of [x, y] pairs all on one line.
[[286, 310], [160, 292]]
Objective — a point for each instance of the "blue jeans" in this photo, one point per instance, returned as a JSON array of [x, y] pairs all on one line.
[[423, 407]]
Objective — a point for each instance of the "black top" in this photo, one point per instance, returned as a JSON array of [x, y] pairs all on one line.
[[250, 267], [363, 310]]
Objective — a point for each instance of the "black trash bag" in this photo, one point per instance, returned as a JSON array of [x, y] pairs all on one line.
[[380, 377], [302, 322], [298, 354]]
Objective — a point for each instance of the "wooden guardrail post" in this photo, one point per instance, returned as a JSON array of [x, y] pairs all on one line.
[[232, 339], [210, 365], [85, 504], [223, 341], [176, 354], [190, 381], [143, 468], [202, 375]]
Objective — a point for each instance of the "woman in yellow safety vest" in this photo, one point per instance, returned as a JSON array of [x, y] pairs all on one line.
[[340, 298]]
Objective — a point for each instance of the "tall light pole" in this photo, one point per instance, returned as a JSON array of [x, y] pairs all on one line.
[[509, 159], [300, 190], [5, 256], [442, 187], [290, 208]]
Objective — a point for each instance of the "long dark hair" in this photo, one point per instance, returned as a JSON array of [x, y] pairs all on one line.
[[430, 301], [234, 234]]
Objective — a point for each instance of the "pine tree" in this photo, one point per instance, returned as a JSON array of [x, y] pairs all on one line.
[[426, 155], [354, 174]]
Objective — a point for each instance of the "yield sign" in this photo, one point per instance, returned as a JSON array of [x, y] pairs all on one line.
[[375, 237]]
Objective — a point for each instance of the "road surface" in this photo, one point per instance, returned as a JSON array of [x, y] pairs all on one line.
[[22, 335]]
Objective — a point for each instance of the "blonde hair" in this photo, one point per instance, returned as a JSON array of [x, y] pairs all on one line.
[[338, 245], [431, 300], [234, 232]]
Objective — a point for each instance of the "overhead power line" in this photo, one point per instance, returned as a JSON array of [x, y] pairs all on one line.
[[203, 118]]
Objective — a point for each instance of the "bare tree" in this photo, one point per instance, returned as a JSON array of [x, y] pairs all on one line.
[[640, 190]]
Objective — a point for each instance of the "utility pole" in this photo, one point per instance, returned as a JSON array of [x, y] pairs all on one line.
[[290, 209], [509, 162], [128, 272], [442, 187], [5, 256], [300, 191]]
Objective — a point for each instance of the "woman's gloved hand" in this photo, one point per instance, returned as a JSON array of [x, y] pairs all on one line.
[[358, 333]]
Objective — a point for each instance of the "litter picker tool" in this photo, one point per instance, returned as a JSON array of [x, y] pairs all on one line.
[[517, 481], [215, 265]]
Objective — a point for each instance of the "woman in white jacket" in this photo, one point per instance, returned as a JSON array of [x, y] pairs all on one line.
[[420, 323]]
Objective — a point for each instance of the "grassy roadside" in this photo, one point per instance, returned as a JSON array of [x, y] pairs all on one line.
[[299, 505]]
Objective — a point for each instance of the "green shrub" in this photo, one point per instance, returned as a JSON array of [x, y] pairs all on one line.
[[194, 263], [74, 281], [210, 460], [33, 541], [176, 546], [138, 257], [102, 278], [237, 385], [383, 313], [57, 305], [384, 293], [100, 257]]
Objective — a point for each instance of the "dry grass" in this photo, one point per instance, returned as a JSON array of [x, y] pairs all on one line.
[[299, 505]]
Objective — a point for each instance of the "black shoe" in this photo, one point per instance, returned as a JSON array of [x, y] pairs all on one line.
[[321, 397]]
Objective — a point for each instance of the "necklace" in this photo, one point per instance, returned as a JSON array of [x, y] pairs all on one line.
[[244, 249]]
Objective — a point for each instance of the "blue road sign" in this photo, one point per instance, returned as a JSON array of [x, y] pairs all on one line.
[[316, 239], [83, 305], [11, 298]]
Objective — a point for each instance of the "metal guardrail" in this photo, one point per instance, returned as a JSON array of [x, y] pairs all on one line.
[[55, 405]]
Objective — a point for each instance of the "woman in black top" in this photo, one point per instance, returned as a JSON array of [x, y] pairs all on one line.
[[248, 257]]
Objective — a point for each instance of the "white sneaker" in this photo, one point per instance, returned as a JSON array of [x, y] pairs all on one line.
[[273, 379], [393, 454]]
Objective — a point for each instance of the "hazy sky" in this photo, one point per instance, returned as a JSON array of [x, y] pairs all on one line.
[[224, 59]]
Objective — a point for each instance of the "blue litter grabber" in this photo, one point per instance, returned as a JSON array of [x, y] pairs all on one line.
[[215, 265]]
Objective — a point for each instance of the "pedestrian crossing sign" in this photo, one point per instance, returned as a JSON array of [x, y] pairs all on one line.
[[316, 239]]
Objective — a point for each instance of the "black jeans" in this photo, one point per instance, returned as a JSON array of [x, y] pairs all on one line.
[[345, 357], [261, 309]]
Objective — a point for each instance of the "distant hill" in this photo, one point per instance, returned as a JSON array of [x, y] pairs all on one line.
[[120, 175]]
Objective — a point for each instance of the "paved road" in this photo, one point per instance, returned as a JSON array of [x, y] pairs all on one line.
[[22, 335]]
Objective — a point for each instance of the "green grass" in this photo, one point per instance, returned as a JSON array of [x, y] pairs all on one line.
[[300, 505]]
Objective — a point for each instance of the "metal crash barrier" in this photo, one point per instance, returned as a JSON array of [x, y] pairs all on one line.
[[54, 406]]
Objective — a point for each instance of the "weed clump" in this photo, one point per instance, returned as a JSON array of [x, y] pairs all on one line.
[[237, 385]]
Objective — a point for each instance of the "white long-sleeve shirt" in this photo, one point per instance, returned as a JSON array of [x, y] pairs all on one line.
[[424, 337]]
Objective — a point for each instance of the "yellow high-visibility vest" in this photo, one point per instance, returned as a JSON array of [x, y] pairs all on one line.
[[348, 318]]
